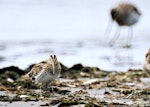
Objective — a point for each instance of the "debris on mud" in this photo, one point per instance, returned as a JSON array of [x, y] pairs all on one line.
[[79, 85]]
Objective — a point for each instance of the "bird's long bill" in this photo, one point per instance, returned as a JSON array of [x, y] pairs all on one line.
[[53, 67], [52, 63], [53, 70]]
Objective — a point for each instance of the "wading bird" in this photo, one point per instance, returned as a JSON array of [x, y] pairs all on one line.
[[124, 14], [45, 72], [146, 65]]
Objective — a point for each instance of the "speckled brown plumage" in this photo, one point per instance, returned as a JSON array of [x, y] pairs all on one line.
[[146, 65], [46, 71]]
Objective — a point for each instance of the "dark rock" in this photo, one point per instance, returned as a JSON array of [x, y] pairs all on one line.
[[64, 92], [135, 70], [106, 92], [64, 68], [76, 67], [12, 69], [87, 69]]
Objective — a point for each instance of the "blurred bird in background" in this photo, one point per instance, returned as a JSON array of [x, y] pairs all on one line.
[[124, 14]]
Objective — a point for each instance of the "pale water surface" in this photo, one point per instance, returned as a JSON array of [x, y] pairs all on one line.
[[31, 30]]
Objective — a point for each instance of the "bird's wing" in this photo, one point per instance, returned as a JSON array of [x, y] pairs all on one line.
[[35, 70]]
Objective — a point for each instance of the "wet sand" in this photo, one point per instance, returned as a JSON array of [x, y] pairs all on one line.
[[78, 86]]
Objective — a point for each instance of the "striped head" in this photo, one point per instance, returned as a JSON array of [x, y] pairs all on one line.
[[55, 64]]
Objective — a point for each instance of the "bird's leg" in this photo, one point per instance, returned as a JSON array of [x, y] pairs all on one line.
[[52, 89], [45, 90], [130, 36], [116, 36], [108, 29], [41, 95]]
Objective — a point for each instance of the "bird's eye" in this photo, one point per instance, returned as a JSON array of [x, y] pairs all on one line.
[[135, 9], [114, 13], [146, 55]]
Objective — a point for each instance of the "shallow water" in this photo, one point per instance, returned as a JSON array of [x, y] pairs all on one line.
[[73, 30]]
